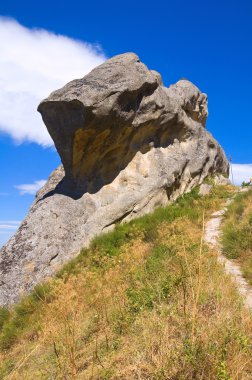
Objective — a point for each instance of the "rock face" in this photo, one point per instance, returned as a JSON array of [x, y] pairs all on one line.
[[127, 144]]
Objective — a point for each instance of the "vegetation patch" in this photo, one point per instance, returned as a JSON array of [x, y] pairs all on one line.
[[237, 232], [146, 301]]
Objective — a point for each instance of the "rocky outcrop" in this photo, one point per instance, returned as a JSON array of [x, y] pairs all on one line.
[[127, 144]]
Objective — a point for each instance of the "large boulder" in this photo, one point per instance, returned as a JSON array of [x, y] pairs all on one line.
[[127, 144]]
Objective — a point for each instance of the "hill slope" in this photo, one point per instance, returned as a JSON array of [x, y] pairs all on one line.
[[146, 301]]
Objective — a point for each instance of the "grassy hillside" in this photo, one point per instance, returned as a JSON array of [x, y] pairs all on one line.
[[146, 301], [237, 233]]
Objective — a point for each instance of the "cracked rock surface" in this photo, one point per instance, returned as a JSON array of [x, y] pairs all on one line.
[[127, 145]]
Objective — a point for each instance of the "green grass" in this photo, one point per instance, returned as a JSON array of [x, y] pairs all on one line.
[[144, 301], [109, 244], [6, 368], [237, 232], [100, 256], [15, 321], [152, 284], [4, 316]]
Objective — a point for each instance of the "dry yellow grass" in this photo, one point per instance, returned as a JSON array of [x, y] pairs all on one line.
[[161, 309]]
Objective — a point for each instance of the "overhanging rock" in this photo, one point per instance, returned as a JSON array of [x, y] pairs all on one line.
[[127, 144]]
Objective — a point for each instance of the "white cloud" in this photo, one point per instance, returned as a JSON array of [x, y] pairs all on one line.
[[8, 226], [241, 172], [33, 63], [31, 188], [10, 222], [7, 229]]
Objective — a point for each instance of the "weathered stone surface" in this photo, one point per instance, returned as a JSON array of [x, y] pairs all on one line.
[[205, 189], [127, 144], [219, 179]]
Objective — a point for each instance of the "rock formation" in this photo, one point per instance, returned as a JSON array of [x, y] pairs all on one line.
[[127, 144]]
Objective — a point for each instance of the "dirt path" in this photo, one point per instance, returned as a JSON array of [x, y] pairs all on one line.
[[212, 237]]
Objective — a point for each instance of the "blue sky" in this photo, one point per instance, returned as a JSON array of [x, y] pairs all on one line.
[[207, 42]]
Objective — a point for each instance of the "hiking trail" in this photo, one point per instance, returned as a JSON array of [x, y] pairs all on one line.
[[212, 236]]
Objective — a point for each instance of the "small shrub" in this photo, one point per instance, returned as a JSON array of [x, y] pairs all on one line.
[[245, 184]]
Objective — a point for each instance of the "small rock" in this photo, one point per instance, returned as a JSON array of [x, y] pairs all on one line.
[[205, 189]]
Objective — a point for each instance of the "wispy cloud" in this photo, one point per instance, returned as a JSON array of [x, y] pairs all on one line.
[[31, 188], [10, 222], [8, 226], [7, 229], [241, 172], [3, 194], [33, 63]]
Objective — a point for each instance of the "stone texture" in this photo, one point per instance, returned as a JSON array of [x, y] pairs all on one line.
[[219, 179], [127, 144], [205, 189]]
